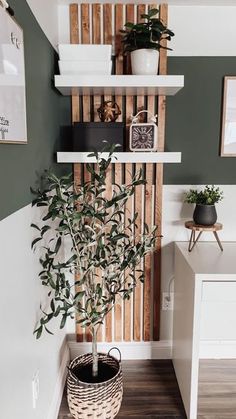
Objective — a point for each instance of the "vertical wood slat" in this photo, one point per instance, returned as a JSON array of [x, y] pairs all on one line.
[[147, 304], [119, 303], [129, 18], [159, 188], [96, 39], [148, 259], [108, 195], [118, 329], [118, 38], [138, 288], [107, 30], [74, 39], [127, 303], [96, 8], [128, 175], [85, 39], [118, 52]]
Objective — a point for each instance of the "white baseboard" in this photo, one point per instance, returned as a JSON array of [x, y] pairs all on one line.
[[60, 384], [129, 350], [218, 349]]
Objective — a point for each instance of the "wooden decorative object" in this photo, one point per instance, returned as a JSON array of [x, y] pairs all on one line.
[[199, 228], [109, 111], [139, 318]]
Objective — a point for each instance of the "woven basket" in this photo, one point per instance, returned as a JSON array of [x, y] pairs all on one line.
[[95, 400]]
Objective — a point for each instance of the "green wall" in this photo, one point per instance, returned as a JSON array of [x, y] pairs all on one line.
[[47, 111], [193, 122]]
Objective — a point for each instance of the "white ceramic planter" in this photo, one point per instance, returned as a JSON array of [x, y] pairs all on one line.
[[85, 67], [144, 61], [84, 52]]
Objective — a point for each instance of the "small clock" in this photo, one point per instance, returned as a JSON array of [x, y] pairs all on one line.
[[143, 136]]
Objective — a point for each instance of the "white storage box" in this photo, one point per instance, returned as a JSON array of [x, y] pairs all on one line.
[[84, 52], [85, 67]]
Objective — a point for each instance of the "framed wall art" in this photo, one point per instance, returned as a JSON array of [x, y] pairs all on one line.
[[12, 81], [228, 134]]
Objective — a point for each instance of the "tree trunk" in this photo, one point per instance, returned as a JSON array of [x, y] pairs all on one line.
[[95, 353]]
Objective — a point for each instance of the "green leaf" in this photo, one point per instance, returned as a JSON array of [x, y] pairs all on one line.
[[153, 12], [129, 25], [38, 332], [63, 321], [48, 331], [35, 226], [35, 241], [52, 305], [58, 245]]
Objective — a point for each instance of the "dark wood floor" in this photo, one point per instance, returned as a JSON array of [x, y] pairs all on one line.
[[150, 390], [217, 389]]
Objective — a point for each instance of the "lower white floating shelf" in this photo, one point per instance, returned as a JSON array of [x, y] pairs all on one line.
[[125, 157]]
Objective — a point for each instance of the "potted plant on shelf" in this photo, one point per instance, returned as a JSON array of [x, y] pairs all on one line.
[[103, 255], [205, 200], [143, 41]]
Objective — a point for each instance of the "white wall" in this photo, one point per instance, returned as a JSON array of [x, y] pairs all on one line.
[[21, 355], [46, 13], [202, 30]]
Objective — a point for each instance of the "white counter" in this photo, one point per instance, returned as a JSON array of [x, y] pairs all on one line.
[[204, 312]]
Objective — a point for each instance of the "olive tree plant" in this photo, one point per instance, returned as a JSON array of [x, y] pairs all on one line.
[[104, 252]]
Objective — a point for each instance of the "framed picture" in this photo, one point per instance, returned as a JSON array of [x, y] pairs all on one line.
[[12, 81], [228, 134]]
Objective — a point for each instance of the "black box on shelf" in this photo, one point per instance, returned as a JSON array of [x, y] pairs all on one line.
[[89, 136]]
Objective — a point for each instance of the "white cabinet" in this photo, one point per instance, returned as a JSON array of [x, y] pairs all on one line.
[[204, 312], [218, 311]]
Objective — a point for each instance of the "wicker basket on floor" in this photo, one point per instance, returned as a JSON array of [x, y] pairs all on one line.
[[95, 400]]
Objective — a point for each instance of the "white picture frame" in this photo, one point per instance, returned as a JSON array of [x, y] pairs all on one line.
[[228, 133], [13, 127]]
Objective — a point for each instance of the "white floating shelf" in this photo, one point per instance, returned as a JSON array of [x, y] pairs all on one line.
[[125, 157], [119, 85]]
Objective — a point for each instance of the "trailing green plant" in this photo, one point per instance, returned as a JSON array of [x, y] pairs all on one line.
[[104, 251], [147, 34], [210, 195]]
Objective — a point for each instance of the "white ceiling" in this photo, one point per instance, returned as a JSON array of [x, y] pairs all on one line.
[[171, 2]]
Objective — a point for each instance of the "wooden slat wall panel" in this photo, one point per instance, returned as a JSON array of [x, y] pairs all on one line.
[[133, 319], [159, 188]]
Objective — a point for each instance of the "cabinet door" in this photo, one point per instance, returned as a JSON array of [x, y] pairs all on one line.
[[218, 311]]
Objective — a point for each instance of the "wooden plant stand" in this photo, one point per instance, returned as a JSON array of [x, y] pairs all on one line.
[[200, 228]]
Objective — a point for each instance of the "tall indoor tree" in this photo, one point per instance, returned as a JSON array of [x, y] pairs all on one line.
[[104, 251]]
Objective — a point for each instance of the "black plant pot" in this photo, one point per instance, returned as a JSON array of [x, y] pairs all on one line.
[[205, 215]]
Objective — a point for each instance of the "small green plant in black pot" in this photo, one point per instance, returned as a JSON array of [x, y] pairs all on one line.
[[205, 200]]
